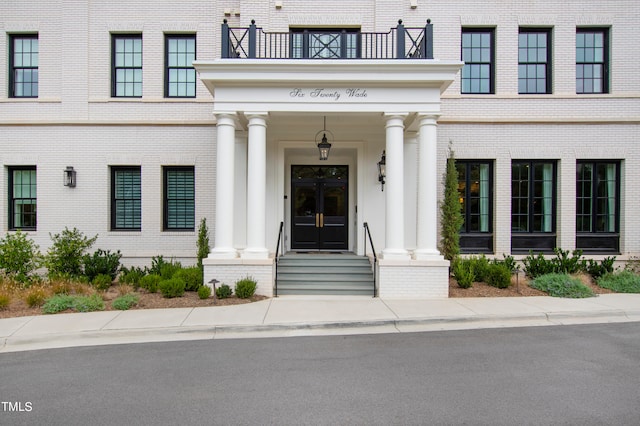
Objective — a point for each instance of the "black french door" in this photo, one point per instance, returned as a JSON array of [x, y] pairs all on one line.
[[319, 207]]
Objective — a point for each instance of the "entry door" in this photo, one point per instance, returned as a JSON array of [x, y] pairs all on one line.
[[319, 207]]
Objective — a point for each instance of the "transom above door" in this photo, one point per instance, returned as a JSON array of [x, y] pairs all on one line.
[[319, 207]]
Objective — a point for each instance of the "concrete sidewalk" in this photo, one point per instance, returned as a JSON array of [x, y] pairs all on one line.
[[303, 316]]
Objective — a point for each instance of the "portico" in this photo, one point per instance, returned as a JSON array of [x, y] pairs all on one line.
[[266, 112]]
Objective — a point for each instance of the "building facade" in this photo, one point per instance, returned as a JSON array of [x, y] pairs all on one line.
[[170, 113]]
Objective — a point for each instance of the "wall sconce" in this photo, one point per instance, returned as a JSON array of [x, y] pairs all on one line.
[[70, 177], [382, 169], [278, 4], [324, 146], [414, 4]]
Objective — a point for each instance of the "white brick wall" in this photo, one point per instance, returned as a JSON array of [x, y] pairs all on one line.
[[413, 279], [231, 271]]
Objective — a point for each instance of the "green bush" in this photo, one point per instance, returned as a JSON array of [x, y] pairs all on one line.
[[561, 285], [57, 303], [246, 287], [19, 256], [223, 291], [463, 273], [620, 282], [508, 261], [132, 276], [596, 270], [170, 288], [65, 255], [102, 282], [498, 276], [480, 267], [101, 262], [204, 292], [192, 277], [161, 267], [536, 266], [125, 302], [565, 264], [4, 301], [87, 303], [150, 282]]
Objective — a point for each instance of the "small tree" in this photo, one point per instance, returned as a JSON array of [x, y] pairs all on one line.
[[203, 241], [65, 255], [451, 211], [19, 256]]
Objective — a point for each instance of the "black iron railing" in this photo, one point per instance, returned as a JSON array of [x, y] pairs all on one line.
[[277, 257], [367, 235], [398, 43]]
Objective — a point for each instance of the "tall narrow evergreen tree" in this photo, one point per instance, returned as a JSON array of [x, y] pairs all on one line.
[[450, 208], [203, 241]]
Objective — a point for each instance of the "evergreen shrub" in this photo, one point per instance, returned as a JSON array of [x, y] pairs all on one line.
[[246, 287], [173, 287]]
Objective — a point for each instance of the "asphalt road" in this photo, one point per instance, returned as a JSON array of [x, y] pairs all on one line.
[[569, 375]]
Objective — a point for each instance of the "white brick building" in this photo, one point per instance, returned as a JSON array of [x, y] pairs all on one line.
[[547, 95]]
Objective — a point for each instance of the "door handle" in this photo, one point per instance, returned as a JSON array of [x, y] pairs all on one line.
[[321, 220], [317, 220]]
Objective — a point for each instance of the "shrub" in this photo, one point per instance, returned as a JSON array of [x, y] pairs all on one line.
[[170, 288], [204, 292], [101, 262], [620, 282], [125, 302], [246, 287], [463, 273], [167, 270], [35, 297], [596, 270], [61, 287], [57, 303], [536, 266], [451, 211], [19, 256], [561, 285], [5, 300], [150, 282], [508, 261], [65, 255], [156, 264], [480, 267], [87, 303], [132, 276], [565, 264], [203, 241], [223, 291], [102, 282], [498, 276], [192, 277]]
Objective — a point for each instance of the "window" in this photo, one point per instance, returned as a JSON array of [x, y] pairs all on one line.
[[533, 205], [597, 206], [179, 198], [325, 43], [475, 190], [126, 66], [477, 54], [23, 66], [534, 61], [592, 61], [22, 198], [180, 76], [126, 198]]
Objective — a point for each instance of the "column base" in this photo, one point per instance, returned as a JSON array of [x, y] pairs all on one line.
[[426, 254], [255, 253], [395, 254], [223, 253]]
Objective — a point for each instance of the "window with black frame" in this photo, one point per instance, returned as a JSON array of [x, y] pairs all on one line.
[[592, 60], [179, 199], [325, 43], [478, 56], [23, 66], [598, 206], [126, 199], [22, 198], [126, 68], [475, 188], [534, 61], [533, 205], [180, 76]]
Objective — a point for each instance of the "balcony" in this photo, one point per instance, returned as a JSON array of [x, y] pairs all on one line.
[[398, 43]]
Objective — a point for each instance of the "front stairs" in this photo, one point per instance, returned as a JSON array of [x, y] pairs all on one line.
[[320, 273]]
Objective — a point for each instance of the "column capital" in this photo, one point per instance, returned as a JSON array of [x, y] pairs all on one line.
[[428, 119], [389, 116], [256, 114], [229, 118]]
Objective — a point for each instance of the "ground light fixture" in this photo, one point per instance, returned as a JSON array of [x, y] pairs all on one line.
[[382, 169], [324, 146]]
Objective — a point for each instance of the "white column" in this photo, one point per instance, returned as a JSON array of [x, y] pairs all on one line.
[[256, 187], [225, 161], [394, 191], [427, 223]]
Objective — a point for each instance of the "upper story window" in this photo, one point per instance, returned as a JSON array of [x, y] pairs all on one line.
[[534, 61], [478, 56], [22, 197], [126, 199], [180, 76], [179, 199], [325, 43], [592, 60], [126, 70], [23, 66]]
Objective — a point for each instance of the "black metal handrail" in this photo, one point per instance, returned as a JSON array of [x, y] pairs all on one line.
[[367, 233], [398, 43], [277, 256]]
